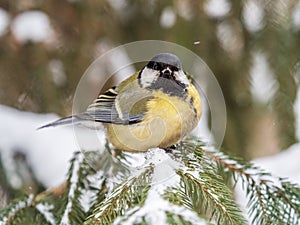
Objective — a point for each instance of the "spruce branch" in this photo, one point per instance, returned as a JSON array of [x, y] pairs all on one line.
[[209, 195], [204, 191], [173, 218], [46, 210], [157, 208], [271, 200], [130, 193], [172, 215], [63, 204], [84, 187], [26, 211], [166, 212], [113, 194], [10, 212], [71, 210]]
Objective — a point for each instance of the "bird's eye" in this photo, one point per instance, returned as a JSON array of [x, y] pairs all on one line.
[[156, 66], [174, 68]]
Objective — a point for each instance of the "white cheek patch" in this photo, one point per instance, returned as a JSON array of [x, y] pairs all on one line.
[[180, 76], [148, 76]]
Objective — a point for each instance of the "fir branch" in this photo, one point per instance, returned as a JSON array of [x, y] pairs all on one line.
[[98, 188], [109, 162], [63, 204], [132, 192], [271, 200], [173, 215], [157, 209], [26, 211], [14, 208], [45, 210], [176, 219], [202, 191], [71, 210], [205, 192]]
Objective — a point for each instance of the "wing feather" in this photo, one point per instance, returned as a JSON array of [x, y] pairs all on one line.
[[103, 109]]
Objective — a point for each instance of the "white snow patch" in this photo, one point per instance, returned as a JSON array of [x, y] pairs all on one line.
[[56, 68], [253, 15], [263, 84], [47, 151], [136, 162], [217, 8], [44, 209], [74, 183], [296, 16], [185, 9], [168, 17], [155, 207], [289, 161], [4, 21], [32, 26], [297, 114], [118, 5], [228, 36], [165, 167], [89, 195]]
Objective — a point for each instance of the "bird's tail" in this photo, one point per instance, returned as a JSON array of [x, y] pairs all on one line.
[[63, 121]]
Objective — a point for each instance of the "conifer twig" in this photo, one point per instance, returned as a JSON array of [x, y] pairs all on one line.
[[271, 200], [131, 192]]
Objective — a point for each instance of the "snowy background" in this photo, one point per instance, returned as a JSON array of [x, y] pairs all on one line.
[[49, 151]]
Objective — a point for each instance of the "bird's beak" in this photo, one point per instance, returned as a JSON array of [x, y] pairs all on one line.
[[166, 72]]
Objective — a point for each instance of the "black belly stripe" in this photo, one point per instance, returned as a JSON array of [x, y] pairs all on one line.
[[192, 105], [195, 111], [192, 101]]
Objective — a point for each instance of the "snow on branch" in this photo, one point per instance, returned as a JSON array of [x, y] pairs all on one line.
[[192, 184]]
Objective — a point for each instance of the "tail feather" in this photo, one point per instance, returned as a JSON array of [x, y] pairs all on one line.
[[63, 121]]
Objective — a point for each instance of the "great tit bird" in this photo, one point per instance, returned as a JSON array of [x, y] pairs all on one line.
[[155, 107]]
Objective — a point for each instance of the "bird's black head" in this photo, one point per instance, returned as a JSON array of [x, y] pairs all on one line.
[[164, 72]]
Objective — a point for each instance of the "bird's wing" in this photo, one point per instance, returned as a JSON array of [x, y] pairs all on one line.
[[106, 109]]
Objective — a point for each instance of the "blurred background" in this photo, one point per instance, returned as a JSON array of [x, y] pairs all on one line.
[[252, 47]]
